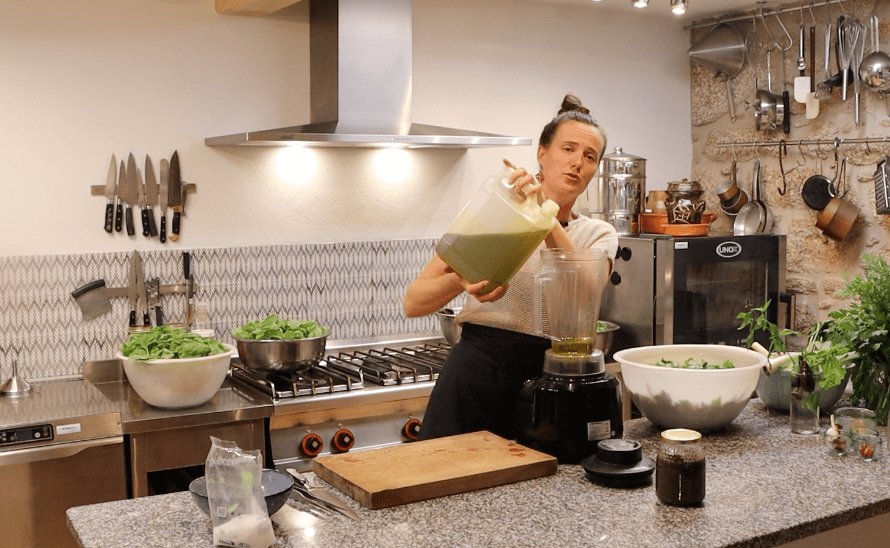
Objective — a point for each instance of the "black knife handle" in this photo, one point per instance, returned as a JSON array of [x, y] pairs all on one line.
[[131, 230], [163, 228], [174, 227], [119, 218], [159, 316], [145, 231], [109, 217], [132, 318], [152, 227], [146, 319], [187, 265], [786, 118]]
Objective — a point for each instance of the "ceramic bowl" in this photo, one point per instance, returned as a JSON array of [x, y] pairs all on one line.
[[698, 399], [276, 489], [775, 391], [178, 383]]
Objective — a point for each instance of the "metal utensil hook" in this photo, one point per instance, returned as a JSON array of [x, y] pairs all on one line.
[[770, 33]]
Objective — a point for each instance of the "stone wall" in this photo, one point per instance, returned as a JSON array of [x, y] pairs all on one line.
[[816, 265]]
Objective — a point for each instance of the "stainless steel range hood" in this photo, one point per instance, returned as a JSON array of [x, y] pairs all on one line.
[[360, 85]]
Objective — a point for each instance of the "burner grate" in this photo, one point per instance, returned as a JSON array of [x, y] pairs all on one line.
[[348, 371]]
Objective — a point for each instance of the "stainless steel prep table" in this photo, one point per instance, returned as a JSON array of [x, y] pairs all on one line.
[[765, 488], [167, 440]]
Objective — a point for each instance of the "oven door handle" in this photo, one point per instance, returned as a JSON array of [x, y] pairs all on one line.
[[49, 452]]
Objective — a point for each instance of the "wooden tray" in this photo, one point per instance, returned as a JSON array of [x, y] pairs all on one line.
[[412, 472]]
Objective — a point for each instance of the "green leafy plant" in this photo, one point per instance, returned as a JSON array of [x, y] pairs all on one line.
[[863, 327], [167, 342], [826, 359]]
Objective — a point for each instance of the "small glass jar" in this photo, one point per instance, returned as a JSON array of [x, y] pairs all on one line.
[[680, 468], [848, 419], [866, 443], [684, 203]]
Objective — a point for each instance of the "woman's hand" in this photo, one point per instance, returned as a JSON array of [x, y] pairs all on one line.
[[474, 289], [525, 183]]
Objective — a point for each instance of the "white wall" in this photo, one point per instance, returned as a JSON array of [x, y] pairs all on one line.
[[82, 79]]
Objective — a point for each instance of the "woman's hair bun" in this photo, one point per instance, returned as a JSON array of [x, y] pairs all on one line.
[[570, 102]]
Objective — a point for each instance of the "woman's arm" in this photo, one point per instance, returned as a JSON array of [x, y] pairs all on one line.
[[437, 285]]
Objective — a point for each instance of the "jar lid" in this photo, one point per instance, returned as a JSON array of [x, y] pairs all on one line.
[[685, 186], [680, 435]]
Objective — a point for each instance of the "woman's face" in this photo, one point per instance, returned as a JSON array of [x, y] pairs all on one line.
[[570, 162]]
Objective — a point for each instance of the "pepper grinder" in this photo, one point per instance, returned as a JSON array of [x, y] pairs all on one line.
[[16, 386]]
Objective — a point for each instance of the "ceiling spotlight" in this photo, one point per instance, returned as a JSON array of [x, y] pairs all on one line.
[[679, 7], [640, 3]]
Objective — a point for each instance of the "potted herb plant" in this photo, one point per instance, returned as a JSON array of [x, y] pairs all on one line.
[[827, 360], [854, 340], [863, 326]]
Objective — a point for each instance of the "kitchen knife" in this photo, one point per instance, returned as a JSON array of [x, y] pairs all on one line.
[[174, 195], [140, 193], [110, 188], [131, 292], [151, 196], [119, 210], [187, 274], [162, 197], [131, 194], [141, 292]]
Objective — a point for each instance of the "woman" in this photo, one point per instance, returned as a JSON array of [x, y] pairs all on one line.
[[498, 352]]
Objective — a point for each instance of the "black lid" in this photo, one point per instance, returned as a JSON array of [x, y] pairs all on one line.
[[619, 463]]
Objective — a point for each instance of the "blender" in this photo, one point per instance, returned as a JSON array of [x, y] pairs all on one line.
[[575, 403]]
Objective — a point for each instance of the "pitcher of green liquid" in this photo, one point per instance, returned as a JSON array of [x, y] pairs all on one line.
[[567, 296], [496, 232]]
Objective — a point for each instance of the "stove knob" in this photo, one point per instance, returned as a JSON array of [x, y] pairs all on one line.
[[343, 440], [411, 430], [312, 444]]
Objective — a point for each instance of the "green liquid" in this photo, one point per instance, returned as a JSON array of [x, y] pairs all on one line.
[[492, 257], [580, 346]]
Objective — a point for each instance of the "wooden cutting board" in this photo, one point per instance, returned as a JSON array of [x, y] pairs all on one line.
[[411, 472]]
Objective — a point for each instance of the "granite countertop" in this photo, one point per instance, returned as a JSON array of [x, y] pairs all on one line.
[[765, 487]]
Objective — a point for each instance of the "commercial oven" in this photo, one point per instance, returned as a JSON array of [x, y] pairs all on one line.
[[667, 290]]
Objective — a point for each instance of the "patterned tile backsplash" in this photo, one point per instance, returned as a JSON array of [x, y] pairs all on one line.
[[355, 288]]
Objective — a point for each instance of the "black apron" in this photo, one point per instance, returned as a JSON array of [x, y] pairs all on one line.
[[480, 382]]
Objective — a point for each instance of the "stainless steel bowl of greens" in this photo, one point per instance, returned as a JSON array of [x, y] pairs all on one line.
[[279, 344]]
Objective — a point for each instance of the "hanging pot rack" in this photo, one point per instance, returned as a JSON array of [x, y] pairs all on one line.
[[760, 11]]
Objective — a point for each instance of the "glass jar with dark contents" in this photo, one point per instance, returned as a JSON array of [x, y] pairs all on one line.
[[680, 468]]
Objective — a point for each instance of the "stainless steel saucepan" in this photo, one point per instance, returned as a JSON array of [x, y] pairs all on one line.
[[754, 217]]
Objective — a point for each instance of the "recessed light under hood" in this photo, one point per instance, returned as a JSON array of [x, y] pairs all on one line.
[[360, 85]]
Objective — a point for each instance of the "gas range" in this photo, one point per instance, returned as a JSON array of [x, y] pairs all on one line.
[[365, 393]]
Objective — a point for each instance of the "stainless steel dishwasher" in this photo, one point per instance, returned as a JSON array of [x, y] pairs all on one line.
[[60, 446]]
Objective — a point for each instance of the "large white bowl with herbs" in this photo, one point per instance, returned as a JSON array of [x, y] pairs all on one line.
[[697, 386], [171, 368]]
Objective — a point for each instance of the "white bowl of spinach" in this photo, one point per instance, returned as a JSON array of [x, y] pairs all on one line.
[[698, 386], [171, 368]]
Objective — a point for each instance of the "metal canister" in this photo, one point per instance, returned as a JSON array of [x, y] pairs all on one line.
[[680, 468], [623, 180]]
